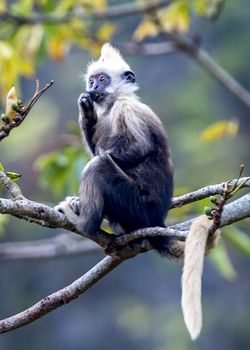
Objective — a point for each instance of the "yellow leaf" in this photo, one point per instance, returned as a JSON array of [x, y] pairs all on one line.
[[145, 29], [219, 130], [99, 4], [57, 48], [200, 7], [207, 8], [105, 32], [95, 49], [106, 227], [10, 100], [32, 41], [96, 4], [2, 6], [175, 18]]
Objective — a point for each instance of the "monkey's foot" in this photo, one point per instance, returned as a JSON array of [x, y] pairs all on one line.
[[70, 208]]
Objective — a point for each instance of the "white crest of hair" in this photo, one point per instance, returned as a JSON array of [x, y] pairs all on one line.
[[121, 102], [112, 63], [192, 272]]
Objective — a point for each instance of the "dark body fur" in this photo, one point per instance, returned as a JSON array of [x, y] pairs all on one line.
[[129, 180]]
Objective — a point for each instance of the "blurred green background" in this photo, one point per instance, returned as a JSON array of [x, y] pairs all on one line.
[[137, 306]]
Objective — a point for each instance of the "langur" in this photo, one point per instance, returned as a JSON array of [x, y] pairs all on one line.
[[129, 179]]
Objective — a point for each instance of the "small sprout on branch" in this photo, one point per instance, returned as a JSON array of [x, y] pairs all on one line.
[[16, 112], [13, 176], [11, 107], [214, 199], [208, 211], [5, 118]]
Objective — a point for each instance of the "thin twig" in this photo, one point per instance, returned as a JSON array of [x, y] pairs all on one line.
[[205, 192], [23, 112]]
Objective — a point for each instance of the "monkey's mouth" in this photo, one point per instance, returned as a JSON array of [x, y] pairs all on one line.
[[96, 96]]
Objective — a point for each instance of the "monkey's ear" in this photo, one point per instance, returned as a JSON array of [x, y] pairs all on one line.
[[128, 76]]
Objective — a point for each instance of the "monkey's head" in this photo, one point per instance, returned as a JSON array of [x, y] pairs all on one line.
[[109, 78]]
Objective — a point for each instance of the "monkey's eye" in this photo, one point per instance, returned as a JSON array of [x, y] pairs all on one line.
[[102, 79], [91, 82]]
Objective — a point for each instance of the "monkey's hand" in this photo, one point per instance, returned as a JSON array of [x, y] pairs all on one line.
[[70, 208], [86, 106]]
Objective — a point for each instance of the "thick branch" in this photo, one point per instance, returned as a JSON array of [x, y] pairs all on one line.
[[63, 245], [46, 216], [112, 12], [61, 297], [50, 217], [12, 189], [233, 212]]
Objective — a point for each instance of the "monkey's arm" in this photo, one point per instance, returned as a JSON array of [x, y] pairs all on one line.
[[87, 119]]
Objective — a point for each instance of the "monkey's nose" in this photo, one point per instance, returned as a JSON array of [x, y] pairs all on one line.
[[95, 87]]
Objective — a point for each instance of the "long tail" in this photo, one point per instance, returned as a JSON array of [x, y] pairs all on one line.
[[192, 271]]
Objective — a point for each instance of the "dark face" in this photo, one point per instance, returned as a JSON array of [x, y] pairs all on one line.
[[97, 85]]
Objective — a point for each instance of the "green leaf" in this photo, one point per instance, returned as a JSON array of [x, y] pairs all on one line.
[[1, 167], [220, 258], [3, 221], [61, 170], [238, 239], [13, 176]]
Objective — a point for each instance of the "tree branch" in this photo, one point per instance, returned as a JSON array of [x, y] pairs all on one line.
[[47, 216], [112, 12], [148, 49], [206, 192], [233, 212], [198, 54], [213, 68], [63, 245], [24, 111], [62, 296]]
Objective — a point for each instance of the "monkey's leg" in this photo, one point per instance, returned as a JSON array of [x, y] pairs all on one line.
[[92, 191]]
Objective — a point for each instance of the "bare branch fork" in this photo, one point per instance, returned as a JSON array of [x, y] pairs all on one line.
[[23, 111]]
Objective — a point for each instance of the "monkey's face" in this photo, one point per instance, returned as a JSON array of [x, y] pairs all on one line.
[[97, 86], [105, 89]]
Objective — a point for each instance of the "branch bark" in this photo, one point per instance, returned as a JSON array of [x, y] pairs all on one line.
[[235, 211], [62, 296], [198, 54], [63, 245], [213, 68], [46, 216], [206, 192], [112, 12]]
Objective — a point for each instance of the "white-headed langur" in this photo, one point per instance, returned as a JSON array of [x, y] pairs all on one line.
[[129, 179]]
